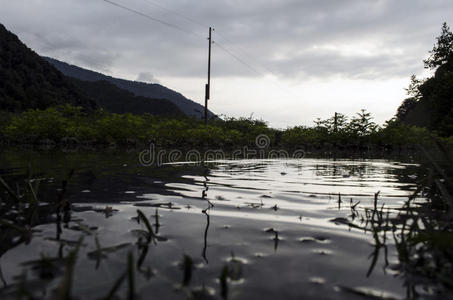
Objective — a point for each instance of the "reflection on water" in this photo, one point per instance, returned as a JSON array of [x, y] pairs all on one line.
[[285, 229]]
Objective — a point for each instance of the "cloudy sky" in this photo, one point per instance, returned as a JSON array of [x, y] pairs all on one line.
[[285, 61]]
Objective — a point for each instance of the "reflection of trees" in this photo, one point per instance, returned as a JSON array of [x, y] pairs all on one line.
[[406, 174], [342, 169]]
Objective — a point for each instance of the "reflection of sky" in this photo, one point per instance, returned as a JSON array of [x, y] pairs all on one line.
[[309, 187]]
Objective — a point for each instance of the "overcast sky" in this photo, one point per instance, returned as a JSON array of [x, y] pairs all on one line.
[[285, 61]]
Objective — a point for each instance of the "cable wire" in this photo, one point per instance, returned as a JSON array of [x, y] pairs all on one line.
[[151, 18], [176, 27], [176, 13], [245, 53], [229, 52], [238, 59]]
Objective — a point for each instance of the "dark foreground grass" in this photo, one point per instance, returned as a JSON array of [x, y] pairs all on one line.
[[422, 233]]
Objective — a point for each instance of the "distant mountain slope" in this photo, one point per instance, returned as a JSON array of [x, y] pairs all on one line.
[[117, 100], [28, 81], [156, 91]]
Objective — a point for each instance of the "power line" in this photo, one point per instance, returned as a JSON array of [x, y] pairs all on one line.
[[238, 59], [245, 53], [179, 28], [221, 36], [176, 13], [151, 18], [229, 52]]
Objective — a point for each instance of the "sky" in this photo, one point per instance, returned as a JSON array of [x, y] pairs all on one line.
[[287, 62]]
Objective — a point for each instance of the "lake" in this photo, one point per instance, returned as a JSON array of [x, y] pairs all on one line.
[[236, 229]]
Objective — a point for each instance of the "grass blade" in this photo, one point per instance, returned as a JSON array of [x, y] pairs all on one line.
[[142, 217], [131, 276], [9, 190]]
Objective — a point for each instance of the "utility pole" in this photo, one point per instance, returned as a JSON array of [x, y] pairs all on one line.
[[335, 123], [208, 85]]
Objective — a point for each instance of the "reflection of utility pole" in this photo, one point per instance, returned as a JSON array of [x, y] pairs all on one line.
[[208, 85], [205, 239]]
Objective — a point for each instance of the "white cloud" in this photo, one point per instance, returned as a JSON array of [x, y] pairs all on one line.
[[147, 77]]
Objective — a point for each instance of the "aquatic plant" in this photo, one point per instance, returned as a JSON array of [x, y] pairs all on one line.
[[150, 236], [223, 280], [422, 232], [187, 268]]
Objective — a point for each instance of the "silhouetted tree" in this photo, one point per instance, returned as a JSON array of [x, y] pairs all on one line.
[[442, 50], [413, 89], [405, 107], [362, 124]]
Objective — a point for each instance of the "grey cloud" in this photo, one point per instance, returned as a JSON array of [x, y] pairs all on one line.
[[328, 63], [100, 60], [77, 51], [102, 36]]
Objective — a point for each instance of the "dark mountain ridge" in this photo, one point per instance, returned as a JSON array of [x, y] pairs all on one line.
[[116, 100], [149, 90], [28, 81]]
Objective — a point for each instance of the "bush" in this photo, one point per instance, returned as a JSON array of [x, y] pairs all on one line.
[[63, 122]]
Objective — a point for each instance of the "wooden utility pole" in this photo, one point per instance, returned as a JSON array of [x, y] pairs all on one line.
[[335, 123], [208, 85]]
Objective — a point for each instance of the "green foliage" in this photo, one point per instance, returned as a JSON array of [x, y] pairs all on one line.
[[397, 133], [337, 123], [47, 124], [243, 130], [301, 136], [69, 124], [361, 125], [5, 119], [337, 130]]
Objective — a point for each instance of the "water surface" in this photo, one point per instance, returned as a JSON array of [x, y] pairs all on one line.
[[286, 229]]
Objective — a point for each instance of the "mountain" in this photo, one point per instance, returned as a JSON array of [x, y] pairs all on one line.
[[28, 81], [116, 100], [148, 90]]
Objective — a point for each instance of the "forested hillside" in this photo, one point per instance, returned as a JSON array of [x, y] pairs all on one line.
[[28, 81], [430, 103], [113, 99], [149, 90]]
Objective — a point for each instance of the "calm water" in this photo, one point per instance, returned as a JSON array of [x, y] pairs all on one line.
[[279, 226]]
